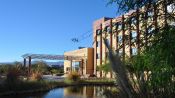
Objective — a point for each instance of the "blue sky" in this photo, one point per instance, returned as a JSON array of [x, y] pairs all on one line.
[[47, 26]]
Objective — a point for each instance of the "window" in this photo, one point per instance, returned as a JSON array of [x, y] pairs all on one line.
[[105, 29], [150, 30], [120, 53], [108, 41], [98, 43], [134, 51], [133, 34], [68, 68], [115, 26], [97, 56], [133, 20], [116, 52], [108, 29], [106, 55], [98, 32], [150, 13], [120, 39], [119, 26], [172, 23], [76, 66]]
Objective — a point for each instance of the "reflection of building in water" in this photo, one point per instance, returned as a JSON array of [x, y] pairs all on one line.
[[88, 91], [82, 92]]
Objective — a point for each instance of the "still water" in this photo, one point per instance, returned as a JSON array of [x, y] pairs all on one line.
[[73, 92]]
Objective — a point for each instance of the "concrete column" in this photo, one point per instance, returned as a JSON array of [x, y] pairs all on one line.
[[82, 66], [111, 39], [130, 38], [111, 42], [138, 30], [101, 50], [123, 38], [24, 62], [29, 71], [71, 65]]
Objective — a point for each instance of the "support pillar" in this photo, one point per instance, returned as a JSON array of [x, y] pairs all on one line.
[[138, 30], [82, 66], [123, 37], [101, 50], [29, 71], [24, 62], [111, 42], [71, 65]]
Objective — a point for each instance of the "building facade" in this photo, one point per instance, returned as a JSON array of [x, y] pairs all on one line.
[[83, 63], [128, 34]]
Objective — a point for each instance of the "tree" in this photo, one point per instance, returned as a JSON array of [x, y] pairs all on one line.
[[127, 5]]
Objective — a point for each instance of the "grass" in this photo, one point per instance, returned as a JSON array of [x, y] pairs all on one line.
[[22, 87], [27, 86]]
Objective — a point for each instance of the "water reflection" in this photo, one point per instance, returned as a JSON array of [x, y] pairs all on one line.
[[73, 92]]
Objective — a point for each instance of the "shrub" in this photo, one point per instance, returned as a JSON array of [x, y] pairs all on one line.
[[36, 76], [74, 76], [12, 75], [4, 69]]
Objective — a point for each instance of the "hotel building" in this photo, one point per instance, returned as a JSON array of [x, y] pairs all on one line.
[[127, 34]]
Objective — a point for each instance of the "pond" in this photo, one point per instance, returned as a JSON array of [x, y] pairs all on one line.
[[73, 92]]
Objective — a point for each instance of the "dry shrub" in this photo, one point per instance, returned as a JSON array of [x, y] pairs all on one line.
[[74, 76], [12, 75], [36, 76]]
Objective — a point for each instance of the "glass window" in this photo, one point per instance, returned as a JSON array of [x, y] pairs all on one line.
[[108, 41], [68, 68], [115, 25], [98, 32], [98, 43], [134, 51], [120, 52], [97, 56], [133, 34], [150, 30], [106, 54], [150, 13], [119, 26], [133, 20], [120, 39], [76, 66], [108, 29], [105, 29], [116, 52]]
